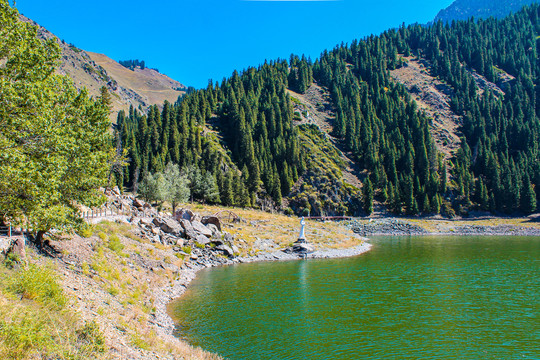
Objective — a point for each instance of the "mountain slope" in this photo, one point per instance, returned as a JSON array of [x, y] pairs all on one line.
[[128, 88], [152, 86], [436, 119], [465, 9]]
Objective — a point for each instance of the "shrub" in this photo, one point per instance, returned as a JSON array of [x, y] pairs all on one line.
[[38, 284], [115, 244], [91, 337]]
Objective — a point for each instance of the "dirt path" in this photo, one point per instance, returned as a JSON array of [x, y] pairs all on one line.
[[315, 107], [432, 96]]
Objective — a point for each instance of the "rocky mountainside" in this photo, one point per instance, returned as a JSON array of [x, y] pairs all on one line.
[[128, 87], [464, 9]]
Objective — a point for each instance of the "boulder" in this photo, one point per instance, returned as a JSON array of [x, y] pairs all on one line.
[[215, 231], [226, 250], [138, 203], [168, 226], [228, 237], [189, 232], [201, 229], [203, 240], [302, 247], [5, 245], [185, 214], [180, 242], [214, 220]]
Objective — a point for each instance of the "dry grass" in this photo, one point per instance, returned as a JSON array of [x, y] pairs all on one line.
[[36, 323], [281, 229], [118, 291]]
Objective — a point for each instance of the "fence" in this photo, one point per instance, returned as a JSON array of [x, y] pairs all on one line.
[[110, 210], [6, 231], [107, 210]]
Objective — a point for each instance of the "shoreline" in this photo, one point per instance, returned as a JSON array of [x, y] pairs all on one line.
[[165, 296]]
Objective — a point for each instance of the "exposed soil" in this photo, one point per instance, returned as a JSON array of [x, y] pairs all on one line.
[[433, 97]]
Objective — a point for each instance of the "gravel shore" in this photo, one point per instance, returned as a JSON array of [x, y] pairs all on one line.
[[400, 227]]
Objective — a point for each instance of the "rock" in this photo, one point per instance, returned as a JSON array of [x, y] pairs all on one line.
[[116, 191], [214, 220], [19, 248], [138, 203], [185, 214], [145, 222], [169, 226], [215, 231], [226, 250], [217, 240], [201, 229], [155, 231], [189, 232], [201, 239], [228, 237], [5, 245], [302, 248], [180, 242], [235, 249], [193, 256]]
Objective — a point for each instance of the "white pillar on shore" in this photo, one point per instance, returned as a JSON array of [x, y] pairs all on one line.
[[302, 236]]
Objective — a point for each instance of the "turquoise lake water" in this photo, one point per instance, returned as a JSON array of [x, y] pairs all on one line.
[[407, 298]]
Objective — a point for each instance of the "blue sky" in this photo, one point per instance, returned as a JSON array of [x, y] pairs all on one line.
[[196, 40]]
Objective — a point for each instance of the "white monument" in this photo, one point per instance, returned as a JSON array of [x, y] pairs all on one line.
[[302, 236]]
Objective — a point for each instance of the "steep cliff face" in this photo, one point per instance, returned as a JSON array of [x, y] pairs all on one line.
[[464, 9], [128, 87]]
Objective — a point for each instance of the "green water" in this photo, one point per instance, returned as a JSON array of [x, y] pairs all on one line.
[[408, 298]]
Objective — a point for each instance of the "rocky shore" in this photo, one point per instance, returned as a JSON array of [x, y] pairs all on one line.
[[403, 227], [137, 260]]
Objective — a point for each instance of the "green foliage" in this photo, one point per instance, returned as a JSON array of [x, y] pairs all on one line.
[[38, 284], [186, 249], [54, 139], [323, 191], [91, 338], [376, 120], [367, 192], [115, 244]]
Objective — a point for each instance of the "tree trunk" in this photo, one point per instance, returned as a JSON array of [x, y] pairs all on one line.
[[40, 241]]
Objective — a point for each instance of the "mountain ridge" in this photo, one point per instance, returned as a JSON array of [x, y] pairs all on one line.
[[93, 71], [465, 9]]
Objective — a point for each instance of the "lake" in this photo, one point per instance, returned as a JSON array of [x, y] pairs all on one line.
[[407, 298]]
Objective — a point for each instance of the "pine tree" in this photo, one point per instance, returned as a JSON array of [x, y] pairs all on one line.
[[368, 196]]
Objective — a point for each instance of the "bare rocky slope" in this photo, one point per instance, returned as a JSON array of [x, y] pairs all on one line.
[[127, 87]]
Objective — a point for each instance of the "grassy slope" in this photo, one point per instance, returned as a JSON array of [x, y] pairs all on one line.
[[153, 87], [109, 279]]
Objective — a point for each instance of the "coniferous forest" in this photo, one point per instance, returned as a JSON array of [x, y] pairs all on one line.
[[237, 144]]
